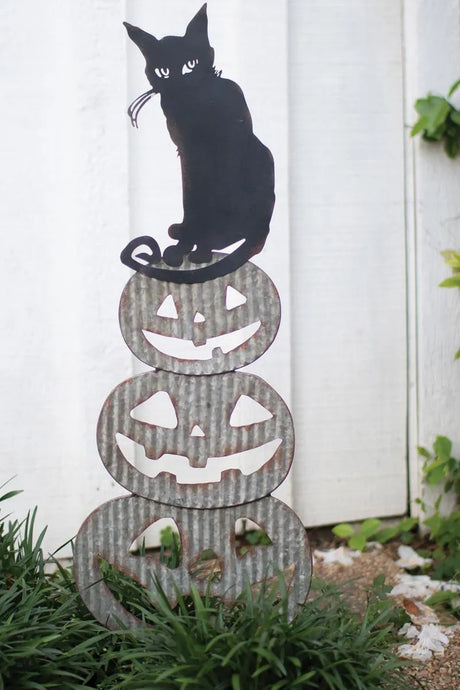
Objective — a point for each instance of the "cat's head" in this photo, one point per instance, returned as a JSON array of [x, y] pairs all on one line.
[[173, 61]]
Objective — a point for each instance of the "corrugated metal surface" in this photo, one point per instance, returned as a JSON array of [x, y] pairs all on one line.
[[205, 401], [110, 530], [206, 512], [143, 296]]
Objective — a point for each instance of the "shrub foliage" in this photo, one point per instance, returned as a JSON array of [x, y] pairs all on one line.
[[49, 640]]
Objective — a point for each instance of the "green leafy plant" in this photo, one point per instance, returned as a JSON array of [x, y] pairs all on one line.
[[204, 644], [378, 602], [372, 530], [452, 258], [170, 549], [447, 599], [246, 539], [442, 470], [49, 640], [439, 120]]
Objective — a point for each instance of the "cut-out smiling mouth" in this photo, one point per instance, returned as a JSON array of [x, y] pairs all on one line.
[[246, 461], [189, 349]]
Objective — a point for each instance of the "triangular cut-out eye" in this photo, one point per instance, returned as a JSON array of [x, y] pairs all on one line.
[[167, 308], [248, 411], [233, 298], [158, 410], [198, 318], [197, 431]]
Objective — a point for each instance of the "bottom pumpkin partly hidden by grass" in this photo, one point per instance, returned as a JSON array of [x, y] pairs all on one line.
[[49, 640]]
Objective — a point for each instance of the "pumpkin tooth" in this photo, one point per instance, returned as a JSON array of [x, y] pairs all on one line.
[[199, 339]]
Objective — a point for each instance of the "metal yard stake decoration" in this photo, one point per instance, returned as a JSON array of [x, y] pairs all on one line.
[[193, 439]]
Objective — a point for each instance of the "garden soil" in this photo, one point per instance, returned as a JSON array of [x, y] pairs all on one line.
[[441, 672]]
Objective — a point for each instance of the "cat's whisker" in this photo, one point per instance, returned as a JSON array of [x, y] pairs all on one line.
[[135, 109], [137, 105]]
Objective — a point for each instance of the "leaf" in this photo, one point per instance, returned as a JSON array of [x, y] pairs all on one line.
[[443, 447], [418, 127], [453, 281], [369, 527], [407, 524], [441, 597], [379, 581], [451, 147], [357, 541], [451, 257], [407, 537], [436, 111], [411, 607], [10, 494], [454, 88], [455, 117], [434, 523], [386, 534], [423, 452], [457, 355], [343, 530], [236, 685], [435, 475], [434, 464]]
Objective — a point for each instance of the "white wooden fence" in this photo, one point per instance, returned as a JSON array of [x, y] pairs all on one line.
[[365, 351]]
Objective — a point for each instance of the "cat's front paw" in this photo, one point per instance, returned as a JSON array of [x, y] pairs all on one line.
[[173, 255], [200, 256], [176, 231]]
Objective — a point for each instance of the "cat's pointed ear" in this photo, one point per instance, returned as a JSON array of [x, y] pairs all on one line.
[[144, 41], [198, 26]]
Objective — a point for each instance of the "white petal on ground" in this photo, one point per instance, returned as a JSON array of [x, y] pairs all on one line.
[[414, 651], [409, 631], [415, 586], [409, 559], [431, 639], [342, 555], [420, 586]]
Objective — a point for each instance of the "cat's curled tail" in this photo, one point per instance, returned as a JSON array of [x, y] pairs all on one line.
[[227, 264]]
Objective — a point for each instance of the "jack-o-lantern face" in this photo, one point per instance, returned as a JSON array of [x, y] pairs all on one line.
[[111, 529], [205, 332], [228, 457]]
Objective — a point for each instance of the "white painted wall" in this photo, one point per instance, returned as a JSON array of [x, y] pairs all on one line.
[[324, 82]]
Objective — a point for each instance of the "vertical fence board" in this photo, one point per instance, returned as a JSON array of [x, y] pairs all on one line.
[[64, 218], [432, 47], [348, 259]]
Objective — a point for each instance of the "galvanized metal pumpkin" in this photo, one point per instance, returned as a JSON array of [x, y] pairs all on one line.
[[222, 460], [205, 333], [110, 530]]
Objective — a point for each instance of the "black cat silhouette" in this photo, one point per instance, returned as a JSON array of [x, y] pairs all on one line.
[[227, 173]]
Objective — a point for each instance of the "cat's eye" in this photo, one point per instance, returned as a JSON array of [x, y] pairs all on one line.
[[189, 66], [162, 72]]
